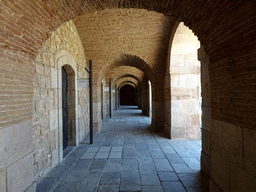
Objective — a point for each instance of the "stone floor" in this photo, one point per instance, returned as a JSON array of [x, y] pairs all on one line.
[[126, 156]]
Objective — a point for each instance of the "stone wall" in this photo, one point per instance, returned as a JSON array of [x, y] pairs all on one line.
[[63, 48], [233, 165]]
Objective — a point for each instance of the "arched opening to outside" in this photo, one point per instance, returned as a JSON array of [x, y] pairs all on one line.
[[128, 95], [68, 109], [185, 85]]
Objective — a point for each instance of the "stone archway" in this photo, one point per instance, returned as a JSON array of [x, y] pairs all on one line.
[[65, 62]]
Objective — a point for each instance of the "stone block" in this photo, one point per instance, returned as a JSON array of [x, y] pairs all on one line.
[[195, 120], [175, 81], [185, 106], [213, 187], [220, 170], [180, 93], [180, 120], [3, 181], [54, 78], [216, 136], [178, 133], [240, 180], [185, 70], [193, 133], [177, 60], [233, 142], [195, 93], [53, 119], [227, 140], [189, 80], [16, 142], [205, 164], [20, 174], [191, 60], [206, 118], [205, 94], [39, 68], [206, 142], [55, 157], [250, 150]]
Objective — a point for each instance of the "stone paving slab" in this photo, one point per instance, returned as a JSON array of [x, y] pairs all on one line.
[[126, 156], [66, 187]]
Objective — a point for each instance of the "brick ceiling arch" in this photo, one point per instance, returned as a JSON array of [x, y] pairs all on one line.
[[127, 75], [132, 78], [127, 79], [131, 61], [124, 71], [218, 24], [127, 83]]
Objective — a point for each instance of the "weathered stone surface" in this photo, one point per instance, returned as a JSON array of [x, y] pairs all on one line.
[[53, 119], [250, 150], [214, 187], [3, 180], [205, 164], [16, 142], [206, 142], [227, 140], [240, 180], [20, 174], [220, 170], [178, 133]]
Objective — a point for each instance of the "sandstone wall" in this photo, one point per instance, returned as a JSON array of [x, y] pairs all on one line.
[[62, 48]]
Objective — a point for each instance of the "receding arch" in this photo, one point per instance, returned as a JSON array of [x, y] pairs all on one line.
[[128, 60], [131, 79], [127, 76], [126, 83]]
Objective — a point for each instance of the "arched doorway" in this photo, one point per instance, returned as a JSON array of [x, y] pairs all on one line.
[[68, 109], [128, 95]]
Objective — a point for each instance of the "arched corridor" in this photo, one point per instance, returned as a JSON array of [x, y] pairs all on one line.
[[190, 62], [126, 156]]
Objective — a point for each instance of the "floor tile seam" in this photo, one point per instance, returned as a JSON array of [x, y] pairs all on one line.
[[84, 178], [192, 153], [168, 159], [179, 162], [196, 142], [185, 145], [62, 178], [64, 175]]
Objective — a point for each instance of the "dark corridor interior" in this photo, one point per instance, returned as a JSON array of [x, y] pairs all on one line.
[[128, 95]]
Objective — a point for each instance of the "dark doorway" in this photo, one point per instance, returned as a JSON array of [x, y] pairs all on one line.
[[64, 108], [128, 95], [68, 109]]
